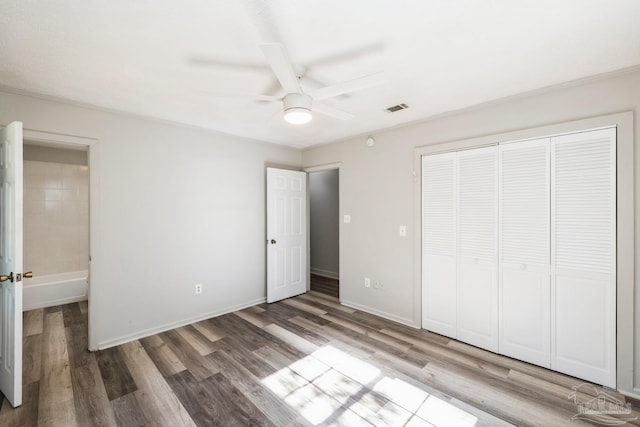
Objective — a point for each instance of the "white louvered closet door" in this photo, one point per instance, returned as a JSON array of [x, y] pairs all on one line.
[[439, 244], [477, 247], [583, 248], [525, 295]]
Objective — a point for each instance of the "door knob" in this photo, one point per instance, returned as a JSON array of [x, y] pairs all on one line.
[[273, 241], [4, 278], [28, 275]]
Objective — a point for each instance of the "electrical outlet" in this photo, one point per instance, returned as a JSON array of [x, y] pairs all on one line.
[[198, 288], [367, 282], [347, 219], [403, 231]]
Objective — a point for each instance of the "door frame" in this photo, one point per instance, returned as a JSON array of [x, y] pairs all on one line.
[[318, 168], [625, 269], [92, 145]]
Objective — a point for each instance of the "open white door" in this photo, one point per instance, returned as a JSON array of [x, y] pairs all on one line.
[[286, 233], [11, 263]]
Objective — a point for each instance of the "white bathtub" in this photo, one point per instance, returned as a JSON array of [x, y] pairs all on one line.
[[54, 289]]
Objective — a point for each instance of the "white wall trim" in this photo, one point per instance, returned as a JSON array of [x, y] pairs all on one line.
[[53, 303], [147, 118], [625, 221], [328, 166], [178, 324], [384, 314], [57, 138], [325, 273], [489, 104], [635, 394]]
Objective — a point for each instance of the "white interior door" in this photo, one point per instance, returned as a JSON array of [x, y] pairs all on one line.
[[11, 262], [439, 266], [583, 255], [525, 317], [477, 247], [286, 233]]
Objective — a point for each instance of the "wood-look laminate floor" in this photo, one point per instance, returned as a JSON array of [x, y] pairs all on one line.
[[303, 361], [325, 285]]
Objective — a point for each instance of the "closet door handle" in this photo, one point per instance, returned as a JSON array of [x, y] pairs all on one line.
[[4, 278], [273, 241]]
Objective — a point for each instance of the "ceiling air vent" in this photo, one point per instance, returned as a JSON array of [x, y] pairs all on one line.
[[395, 108]]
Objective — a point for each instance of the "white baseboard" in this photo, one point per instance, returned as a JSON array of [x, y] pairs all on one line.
[[173, 325], [52, 294], [634, 394], [388, 316], [325, 273]]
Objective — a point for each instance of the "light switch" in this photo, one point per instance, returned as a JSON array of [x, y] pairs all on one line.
[[403, 231], [347, 219]]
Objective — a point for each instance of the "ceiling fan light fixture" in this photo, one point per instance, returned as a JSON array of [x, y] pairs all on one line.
[[297, 108], [298, 115]]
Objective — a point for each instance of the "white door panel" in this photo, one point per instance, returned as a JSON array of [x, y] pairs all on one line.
[[583, 261], [525, 317], [439, 267], [477, 224], [286, 234], [439, 295], [477, 309], [11, 262], [582, 332], [525, 313]]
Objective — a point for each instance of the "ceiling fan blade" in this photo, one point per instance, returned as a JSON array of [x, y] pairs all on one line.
[[332, 112], [247, 96], [348, 54], [349, 86], [282, 66], [211, 61], [269, 98]]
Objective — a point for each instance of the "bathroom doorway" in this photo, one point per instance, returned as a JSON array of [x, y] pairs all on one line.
[[56, 224], [74, 287]]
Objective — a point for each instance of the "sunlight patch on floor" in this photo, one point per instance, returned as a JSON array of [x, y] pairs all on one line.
[[313, 404], [284, 382], [350, 366], [309, 368], [440, 413], [401, 393], [332, 387]]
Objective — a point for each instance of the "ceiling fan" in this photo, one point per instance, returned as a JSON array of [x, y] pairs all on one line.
[[298, 104]]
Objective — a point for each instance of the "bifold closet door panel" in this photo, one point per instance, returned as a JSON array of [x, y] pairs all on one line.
[[583, 249], [439, 287], [477, 247], [525, 313]]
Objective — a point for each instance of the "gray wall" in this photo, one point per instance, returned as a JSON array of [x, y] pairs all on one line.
[[177, 206], [378, 186], [324, 222]]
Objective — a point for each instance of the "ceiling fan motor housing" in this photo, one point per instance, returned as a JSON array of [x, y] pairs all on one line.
[[297, 100], [297, 108]]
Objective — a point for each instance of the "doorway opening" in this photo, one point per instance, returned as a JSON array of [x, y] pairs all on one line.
[[90, 149], [56, 224], [324, 230]]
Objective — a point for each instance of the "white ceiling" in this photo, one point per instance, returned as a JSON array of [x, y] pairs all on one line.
[[198, 62]]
